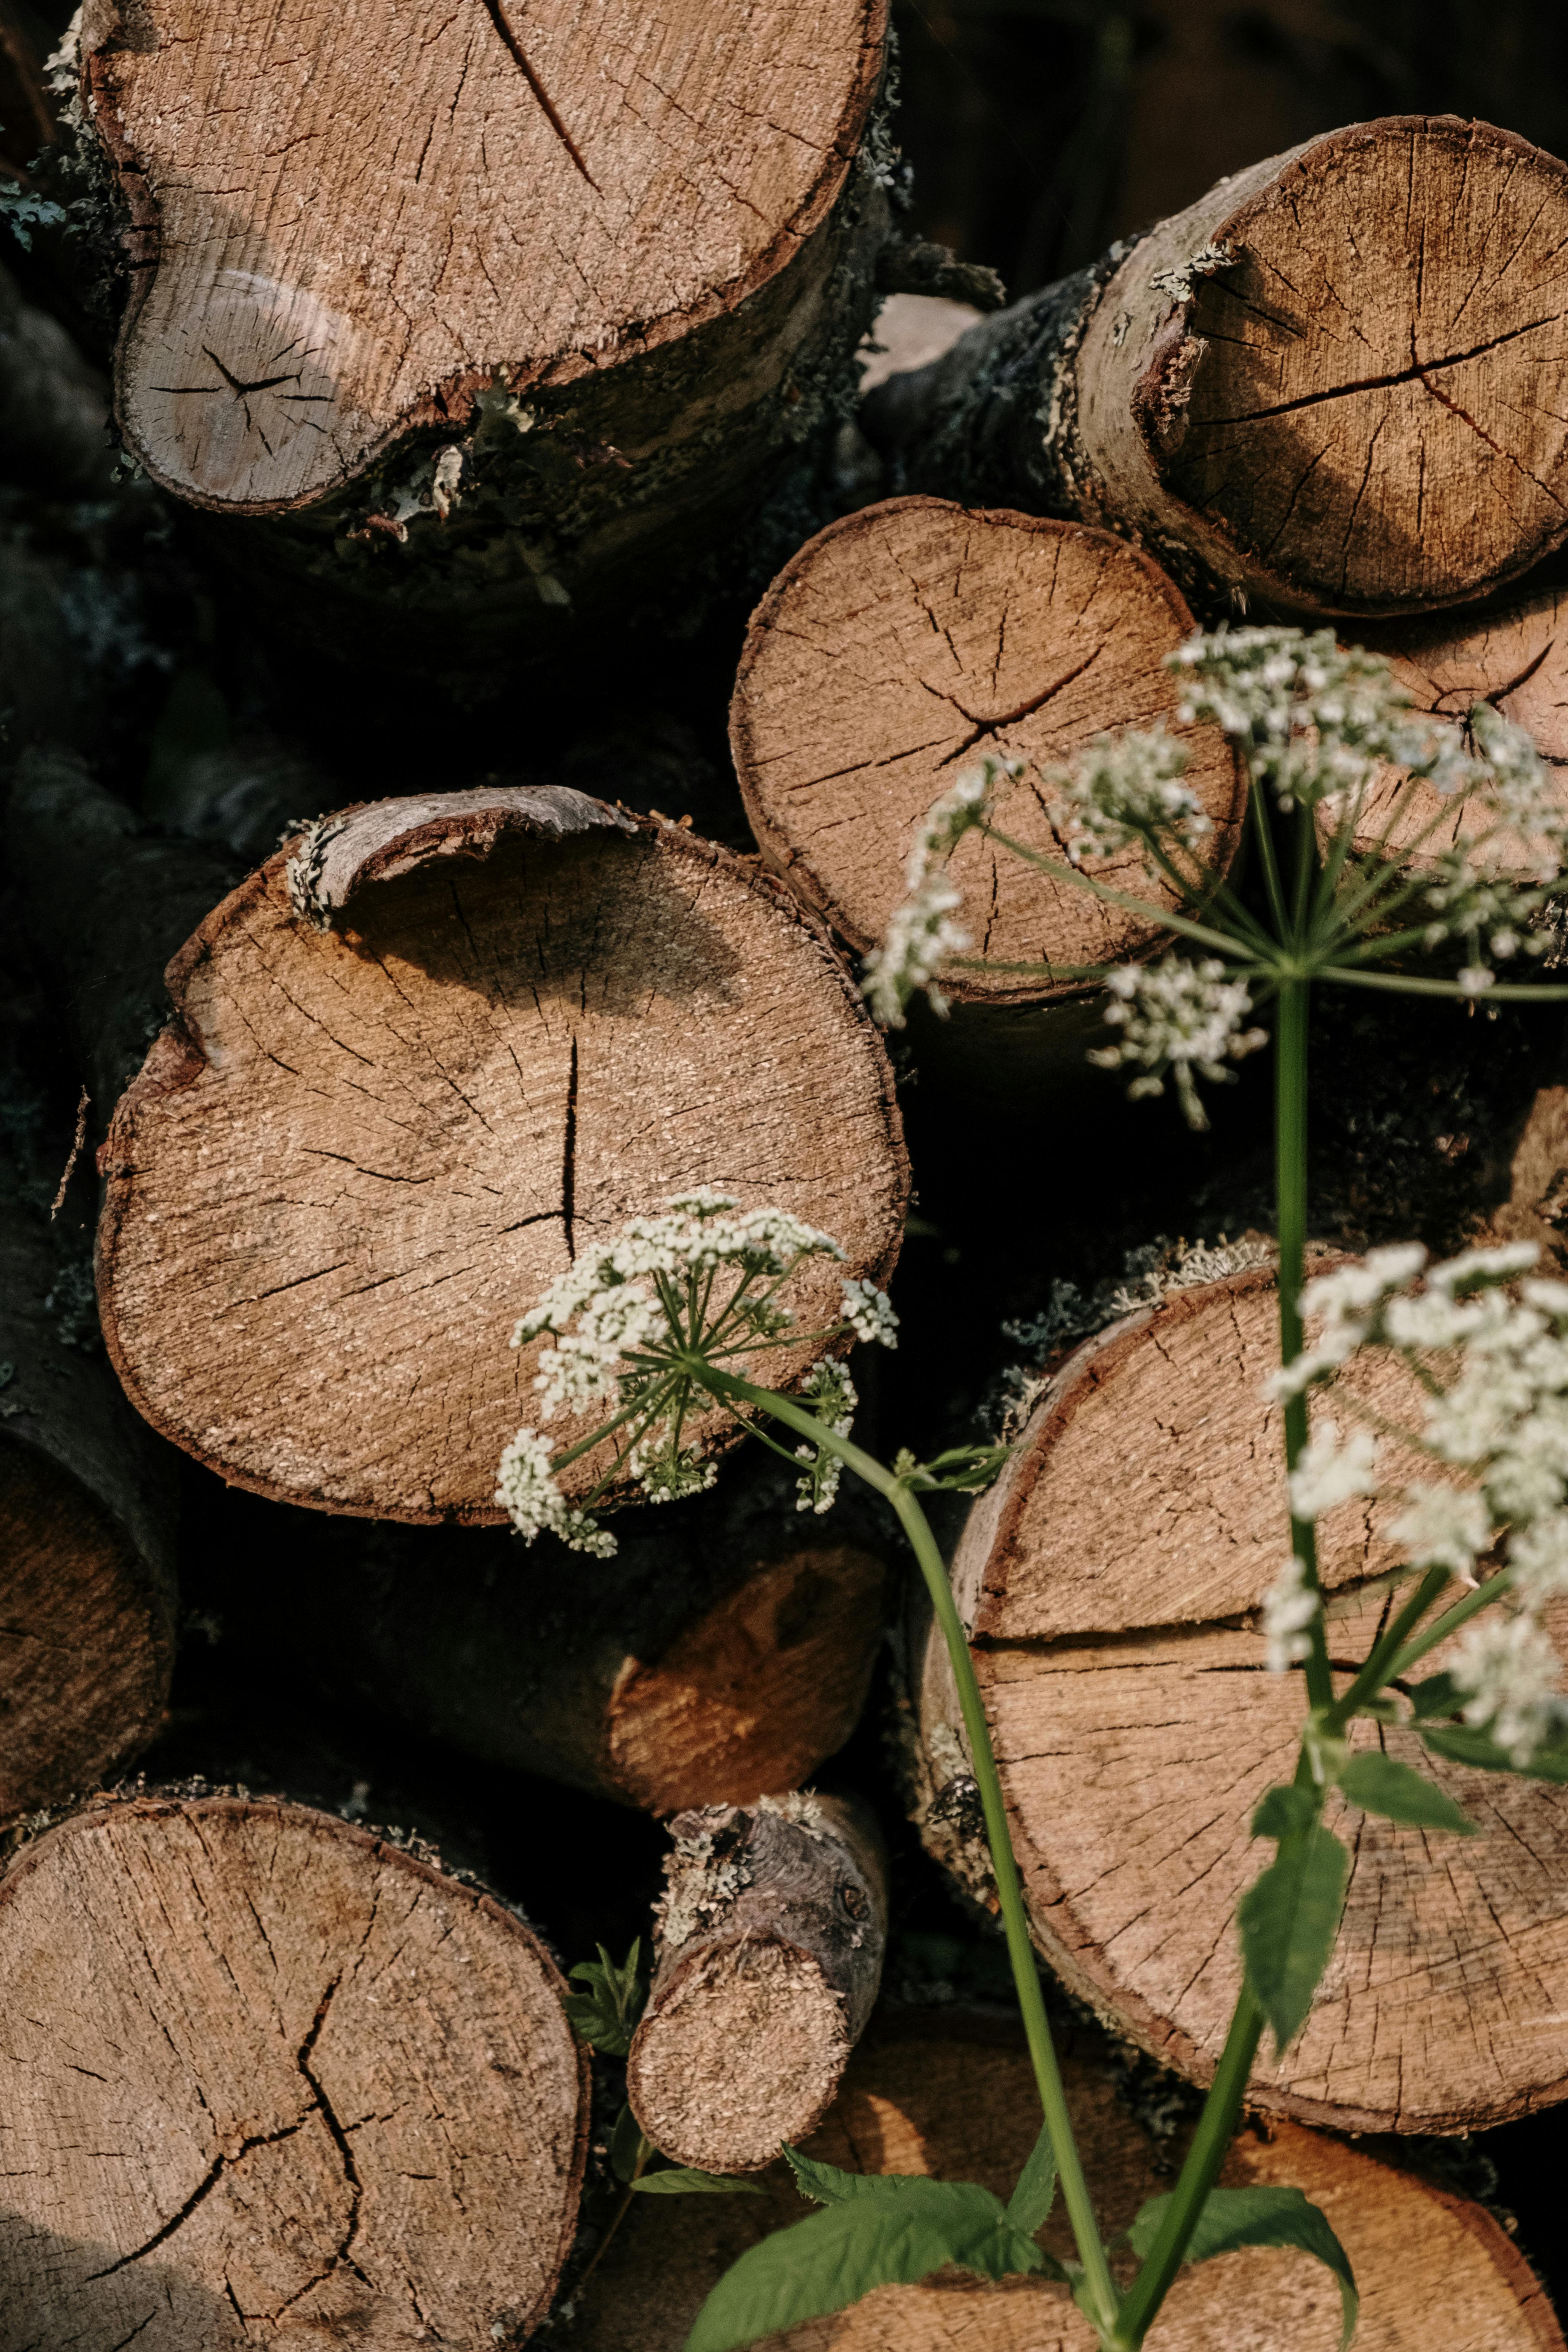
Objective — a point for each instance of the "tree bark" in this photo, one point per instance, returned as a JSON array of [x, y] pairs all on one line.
[[724, 1651], [87, 1510], [274, 2079], [952, 2096], [1113, 1579], [898, 649], [1316, 386], [421, 1057], [508, 317], [770, 1940]]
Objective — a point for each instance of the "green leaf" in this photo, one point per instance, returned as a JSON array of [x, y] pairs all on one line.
[[1233, 2218], [1283, 1810], [628, 2148], [831, 2259], [686, 2180], [828, 2186], [1439, 1694], [1032, 2200], [1381, 1784], [606, 2014], [1288, 1919], [1460, 1745]]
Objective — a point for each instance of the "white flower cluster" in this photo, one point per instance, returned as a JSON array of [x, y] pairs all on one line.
[[1490, 884], [1310, 718], [1289, 1608], [1125, 788], [1179, 1017], [921, 933], [1491, 1353], [831, 1394], [625, 1323]]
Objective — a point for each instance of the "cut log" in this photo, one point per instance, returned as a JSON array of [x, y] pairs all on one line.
[[583, 283], [724, 1651], [1113, 1580], [420, 1058], [954, 2097], [1516, 659], [899, 648], [770, 1941], [1319, 384], [272, 2079], [87, 1508]]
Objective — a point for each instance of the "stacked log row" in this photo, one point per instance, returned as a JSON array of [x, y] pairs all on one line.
[[615, 278], [1113, 1580], [1320, 386], [420, 1059], [900, 648], [770, 1938], [273, 2078], [954, 2097], [723, 1652]]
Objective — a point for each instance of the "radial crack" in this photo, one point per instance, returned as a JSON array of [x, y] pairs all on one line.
[[496, 14]]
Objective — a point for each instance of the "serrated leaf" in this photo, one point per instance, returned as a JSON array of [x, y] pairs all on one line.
[[828, 2186], [1381, 1784], [686, 2180], [1287, 1920], [1460, 1745], [606, 2014], [831, 2259], [1032, 2200], [628, 2148], [1234, 2218], [1284, 1809]]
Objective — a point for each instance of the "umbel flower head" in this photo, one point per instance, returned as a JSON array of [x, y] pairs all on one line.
[[630, 1326], [1490, 1347], [1177, 1017]]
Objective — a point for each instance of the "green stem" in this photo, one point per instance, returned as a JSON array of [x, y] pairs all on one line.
[[1375, 1673], [1198, 2175], [1290, 1178], [1449, 1622], [1099, 2284]]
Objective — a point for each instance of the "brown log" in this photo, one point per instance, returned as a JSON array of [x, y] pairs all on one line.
[[1111, 1579], [420, 1058], [1516, 659], [900, 647], [87, 1509], [1319, 384], [954, 2097], [272, 2078], [725, 1650], [517, 309], [769, 1941]]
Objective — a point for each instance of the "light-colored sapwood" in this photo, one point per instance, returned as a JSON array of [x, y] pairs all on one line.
[[906, 644], [770, 1937], [952, 2096], [419, 1060], [1322, 384], [1113, 1579], [273, 2080]]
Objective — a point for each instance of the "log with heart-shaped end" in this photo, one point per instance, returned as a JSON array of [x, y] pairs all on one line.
[[422, 1058], [900, 648], [1113, 1580], [272, 2078], [1324, 385], [633, 249]]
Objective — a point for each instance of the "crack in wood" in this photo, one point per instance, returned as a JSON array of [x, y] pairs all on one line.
[[496, 14]]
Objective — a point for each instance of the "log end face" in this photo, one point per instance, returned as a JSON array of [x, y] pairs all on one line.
[[1339, 396], [744, 2053]]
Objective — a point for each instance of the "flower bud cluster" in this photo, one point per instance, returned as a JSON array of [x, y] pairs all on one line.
[[1176, 1017], [1125, 788], [921, 934], [1492, 1352]]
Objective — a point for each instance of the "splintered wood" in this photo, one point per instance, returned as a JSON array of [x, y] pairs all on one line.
[[380, 1126], [954, 2099], [271, 2079], [896, 651], [1113, 1579], [355, 219]]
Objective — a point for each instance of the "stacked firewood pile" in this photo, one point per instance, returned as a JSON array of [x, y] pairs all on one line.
[[471, 381]]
